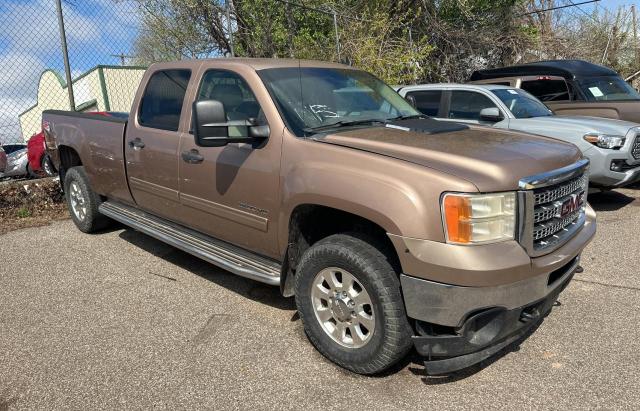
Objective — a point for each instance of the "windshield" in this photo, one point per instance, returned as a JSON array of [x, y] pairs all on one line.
[[607, 88], [522, 104], [310, 97]]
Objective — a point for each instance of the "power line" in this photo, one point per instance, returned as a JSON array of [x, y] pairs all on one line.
[[558, 7]]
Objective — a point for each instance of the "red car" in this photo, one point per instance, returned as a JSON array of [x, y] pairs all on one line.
[[39, 161]]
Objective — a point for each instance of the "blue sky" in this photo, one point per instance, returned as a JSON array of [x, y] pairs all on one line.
[[30, 43]]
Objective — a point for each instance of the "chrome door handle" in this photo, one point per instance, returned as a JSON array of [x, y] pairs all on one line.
[[136, 144], [192, 156]]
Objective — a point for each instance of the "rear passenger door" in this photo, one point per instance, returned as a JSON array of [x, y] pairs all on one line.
[[428, 102], [465, 106], [152, 140]]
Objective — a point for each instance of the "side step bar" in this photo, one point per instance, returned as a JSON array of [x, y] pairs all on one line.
[[217, 252]]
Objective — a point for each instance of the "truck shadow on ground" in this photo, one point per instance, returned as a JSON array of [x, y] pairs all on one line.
[[253, 290], [611, 200], [269, 295]]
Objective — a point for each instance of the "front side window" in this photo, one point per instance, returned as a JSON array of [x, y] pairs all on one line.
[[232, 91], [607, 88], [522, 104], [547, 89], [466, 105], [163, 99], [312, 97], [426, 101]]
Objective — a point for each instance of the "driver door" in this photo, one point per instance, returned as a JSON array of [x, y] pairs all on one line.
[[233, 193]]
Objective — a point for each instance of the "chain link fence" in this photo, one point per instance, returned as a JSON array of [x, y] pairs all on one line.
[[109, 44]]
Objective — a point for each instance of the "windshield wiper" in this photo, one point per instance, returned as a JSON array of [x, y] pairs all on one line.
[[342, 123], [409, 117]]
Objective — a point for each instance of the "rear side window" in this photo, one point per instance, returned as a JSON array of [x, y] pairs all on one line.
[[426, 101], [163, 98], [466, 105], [547, 90]]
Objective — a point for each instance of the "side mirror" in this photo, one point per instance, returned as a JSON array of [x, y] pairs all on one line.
[[209, 123], [212, 129], [491, 114]]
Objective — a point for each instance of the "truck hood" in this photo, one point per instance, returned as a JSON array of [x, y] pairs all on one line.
[[491, 159], [563, 126]]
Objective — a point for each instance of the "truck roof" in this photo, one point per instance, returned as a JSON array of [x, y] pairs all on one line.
[[255, 63], [569, 69]]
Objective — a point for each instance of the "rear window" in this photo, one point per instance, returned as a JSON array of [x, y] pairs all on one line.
[[163, 98], [426, 101], [547, 90]]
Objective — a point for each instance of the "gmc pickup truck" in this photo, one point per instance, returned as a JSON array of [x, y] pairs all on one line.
[[391, 229]]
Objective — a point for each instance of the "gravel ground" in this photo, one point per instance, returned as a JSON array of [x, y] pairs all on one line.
[[119, 320]]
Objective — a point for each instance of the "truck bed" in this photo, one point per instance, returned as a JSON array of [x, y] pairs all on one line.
[[97, 139]]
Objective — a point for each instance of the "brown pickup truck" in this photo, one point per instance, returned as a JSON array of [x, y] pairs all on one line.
[[570, 87], [391, 229]]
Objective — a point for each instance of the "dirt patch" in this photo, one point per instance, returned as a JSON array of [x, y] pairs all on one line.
[[30, 204]]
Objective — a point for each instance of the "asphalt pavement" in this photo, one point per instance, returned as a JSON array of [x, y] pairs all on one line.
[[120, 320]]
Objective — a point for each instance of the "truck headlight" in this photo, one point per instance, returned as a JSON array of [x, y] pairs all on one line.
[[605, 141], [479, 218]]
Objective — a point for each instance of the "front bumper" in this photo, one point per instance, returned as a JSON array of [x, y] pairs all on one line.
[[600, 173], [484, 332]]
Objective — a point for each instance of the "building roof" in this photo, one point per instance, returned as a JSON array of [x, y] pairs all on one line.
[[569, 69]]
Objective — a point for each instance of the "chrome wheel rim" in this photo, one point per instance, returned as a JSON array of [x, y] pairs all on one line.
[[343, 307], [78, 203], [47, 168]]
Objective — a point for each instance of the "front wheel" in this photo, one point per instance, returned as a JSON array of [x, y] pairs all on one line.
[[83, 202], [46, 166], [348, 297]]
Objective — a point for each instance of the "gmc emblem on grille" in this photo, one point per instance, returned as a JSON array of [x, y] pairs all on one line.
[[570, 205]]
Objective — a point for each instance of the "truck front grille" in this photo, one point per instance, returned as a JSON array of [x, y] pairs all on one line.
[[635, 149], [557, 211], [552, 207]]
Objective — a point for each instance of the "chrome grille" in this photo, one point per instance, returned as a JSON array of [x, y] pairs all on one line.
[[549, 227], [635, 149]]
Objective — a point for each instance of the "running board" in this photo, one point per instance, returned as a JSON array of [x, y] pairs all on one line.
[[220, 253]]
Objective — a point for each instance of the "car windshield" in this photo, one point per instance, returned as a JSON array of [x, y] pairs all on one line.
[[522, 104], [607, 88], [312, 99]]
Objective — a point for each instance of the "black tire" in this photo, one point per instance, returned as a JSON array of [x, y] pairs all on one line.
[[47, 166], [90, 220], [31, 173], [354, 253]]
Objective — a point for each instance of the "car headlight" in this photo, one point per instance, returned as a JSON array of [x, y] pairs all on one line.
[[605, 141], [479, 218]]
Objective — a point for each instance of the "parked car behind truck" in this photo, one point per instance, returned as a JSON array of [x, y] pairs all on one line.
[[570, 87], [391, 230], [612, 146]]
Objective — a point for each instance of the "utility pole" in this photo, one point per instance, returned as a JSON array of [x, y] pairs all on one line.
[[65, 56], [229, 27], [335, 26], [122, 58], [635, 34]]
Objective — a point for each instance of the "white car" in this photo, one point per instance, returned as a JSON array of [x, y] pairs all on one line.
[[612, 146]]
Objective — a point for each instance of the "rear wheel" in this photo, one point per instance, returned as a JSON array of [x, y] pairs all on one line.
[[348, 297], [46, 166], [83, 202]]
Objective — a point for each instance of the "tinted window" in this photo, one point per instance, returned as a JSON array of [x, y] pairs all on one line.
[[163, 98], [521, 103], [547, 90], [466, 105], [608, 88], [11, 148], [427, 101], [229, 88]]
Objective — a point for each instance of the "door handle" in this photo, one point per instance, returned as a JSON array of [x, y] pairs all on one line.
[[192, 156], [136, 144]]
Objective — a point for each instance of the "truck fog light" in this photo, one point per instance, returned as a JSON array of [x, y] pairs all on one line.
[[616, 165], [479, 218]]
